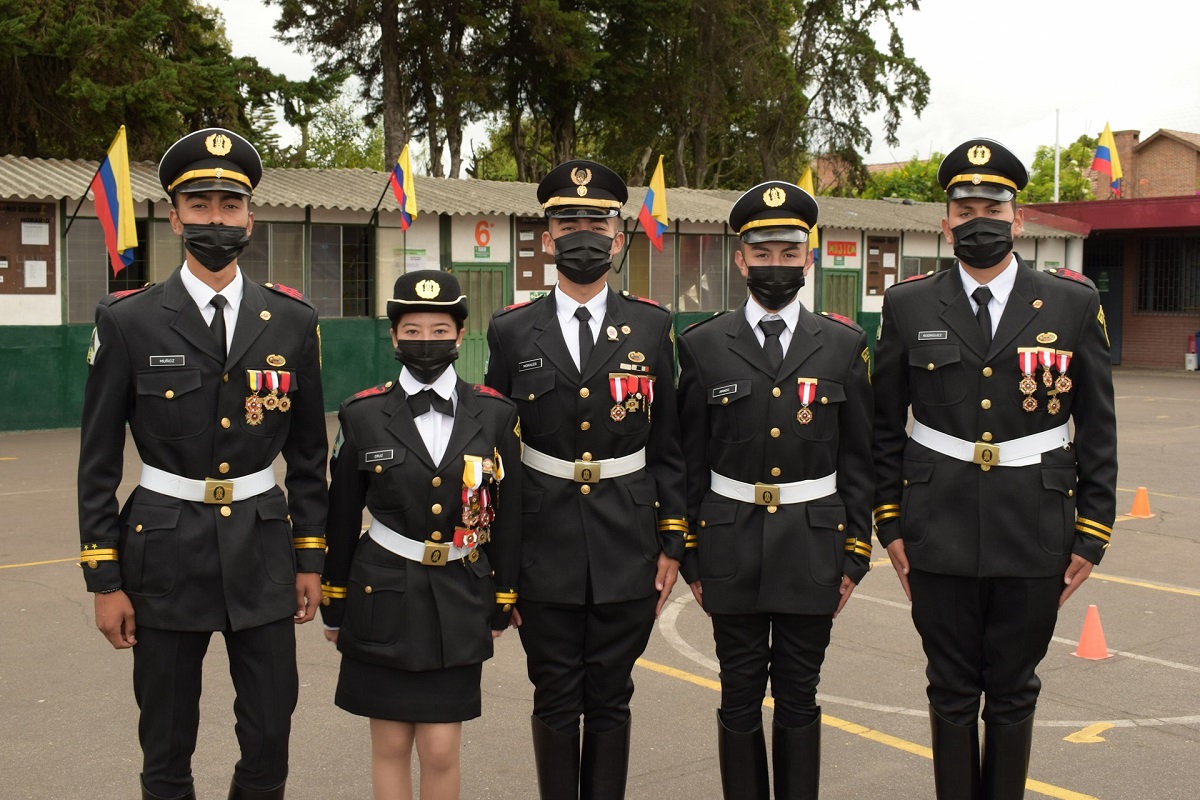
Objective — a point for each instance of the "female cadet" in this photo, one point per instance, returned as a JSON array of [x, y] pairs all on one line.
[[414, 604]]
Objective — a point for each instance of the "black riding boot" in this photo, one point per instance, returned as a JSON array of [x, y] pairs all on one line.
[[148, 795], [955, 759], [743, 758], [604, 765], [1006, 759], [242, 793], [557, 758], [796, 754]]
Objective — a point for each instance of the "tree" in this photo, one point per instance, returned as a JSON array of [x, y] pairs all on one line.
[[340, 138], [1073, 183], [915, 180]]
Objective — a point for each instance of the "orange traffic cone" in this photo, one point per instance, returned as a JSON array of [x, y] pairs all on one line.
[[1091, 641], [1141, 504]]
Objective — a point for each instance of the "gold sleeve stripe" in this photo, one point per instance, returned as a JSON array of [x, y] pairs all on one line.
[[336, 592], [887, 507], [506, 597], [309, 543], [863, 551], [1104, 537], [691, 544], [672, 524], [884, 517], [107, 554], [1091, 523]]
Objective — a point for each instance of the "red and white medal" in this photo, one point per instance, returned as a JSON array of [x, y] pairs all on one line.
[[808, 391]]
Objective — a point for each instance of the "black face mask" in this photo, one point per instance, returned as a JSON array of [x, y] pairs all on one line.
[[215, 246], [774, 287], [583, 256], [982, 242], [426, 359]]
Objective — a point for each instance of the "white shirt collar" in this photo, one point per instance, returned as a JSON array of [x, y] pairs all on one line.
[[443, 386], [203, 294], [790, 314], [1001, 285], [565, 307]]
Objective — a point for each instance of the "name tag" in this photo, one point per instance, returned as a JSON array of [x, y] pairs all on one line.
[[925, 336], [378, 455], [533, 363], [635, 367], [167, 361], [721, 391]]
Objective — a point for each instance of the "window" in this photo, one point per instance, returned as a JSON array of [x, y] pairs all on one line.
[[89, 275], [651, 273], [1168, 277], [342, 261], [701, 269], [913, 265]]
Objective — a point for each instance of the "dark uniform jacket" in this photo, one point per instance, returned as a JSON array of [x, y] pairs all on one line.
[[955, 518], [740, 419], [401, 613], [611, 532], [186, 565]]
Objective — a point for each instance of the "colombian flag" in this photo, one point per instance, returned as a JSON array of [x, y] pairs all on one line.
[[1107, 161], [806, 183], [653, 215], [112, 195], [404, 186]]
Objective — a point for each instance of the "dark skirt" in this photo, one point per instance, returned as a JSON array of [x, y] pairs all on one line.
[[437, 695]]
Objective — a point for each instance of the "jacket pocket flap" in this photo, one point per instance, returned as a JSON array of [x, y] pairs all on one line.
[[826, 516], [917, 471], [382, 456], [718, 512], [177, 382], [831, 391], [643, 491], [935, 355], [1059, 479], [146, 516], [272, 505], [532, 385], [725, 392], [373, 577]]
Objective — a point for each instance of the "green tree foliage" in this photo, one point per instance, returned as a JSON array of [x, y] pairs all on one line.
[[1073, 183], [74, 71], [338, 137], [915, 180]]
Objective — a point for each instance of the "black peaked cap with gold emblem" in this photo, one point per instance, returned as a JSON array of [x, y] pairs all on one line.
[[982, 168], [427, 290], [210, 160], [775, 211], [582, 188]]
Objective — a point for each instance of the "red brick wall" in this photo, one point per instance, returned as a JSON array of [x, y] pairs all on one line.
[[1166, 168], [1151, 340]]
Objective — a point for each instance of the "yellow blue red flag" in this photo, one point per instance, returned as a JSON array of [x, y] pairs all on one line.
[[112, 196], [653, 215], [404, 187], [806, 183], [1107, 161]]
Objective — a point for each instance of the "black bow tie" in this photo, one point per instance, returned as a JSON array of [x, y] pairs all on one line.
[[426, 399]]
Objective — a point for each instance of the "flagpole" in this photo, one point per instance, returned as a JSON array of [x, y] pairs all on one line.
[[375, 211], [628, 245], [91, 180]]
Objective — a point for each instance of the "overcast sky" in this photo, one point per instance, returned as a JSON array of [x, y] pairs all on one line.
[[996, 69]]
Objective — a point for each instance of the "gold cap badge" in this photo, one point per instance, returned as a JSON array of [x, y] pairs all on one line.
[[427, 290], [774, 197], [581, 178], [979, 155], [218, 144]]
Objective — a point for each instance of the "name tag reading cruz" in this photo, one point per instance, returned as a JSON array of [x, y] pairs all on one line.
[[533, 363], [168, 361], [925, 336], [378, 455]]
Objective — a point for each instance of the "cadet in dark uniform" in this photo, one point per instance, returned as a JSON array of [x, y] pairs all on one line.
[[991, 512], [419, 598], [777, 408], [215, 376], [591, 371]]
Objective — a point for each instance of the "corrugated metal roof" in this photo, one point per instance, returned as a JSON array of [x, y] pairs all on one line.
[[358, 189]]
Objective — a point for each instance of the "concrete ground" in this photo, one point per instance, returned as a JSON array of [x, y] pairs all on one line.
[[1125, 727]]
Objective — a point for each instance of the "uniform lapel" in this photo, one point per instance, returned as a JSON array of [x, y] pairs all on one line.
[[956, 313], [743, 342], [400, 424], [250, 322], [804, 343], [1018, 311], [466, 425], [549, 338], [188, 322], [614, 317]]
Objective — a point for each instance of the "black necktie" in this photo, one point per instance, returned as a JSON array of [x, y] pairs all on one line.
[[982, 296], [422, 401], [585, 336], [217, 326], [771, 329]]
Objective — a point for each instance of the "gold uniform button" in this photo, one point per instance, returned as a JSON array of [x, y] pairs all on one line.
[[92, 564], [772, 509], [724, 401], [325, 601], [776, 472], [906, 481], [436, 536], [930, 366], [703, 523], [584, 392], [585, 489], [506, 607], [587, 457], [224, 422], [656, 504], [841, 527], [824, 401], [776, 392], [225, 378], [1070, 492], [138, 527], [223, 467], [169, 394], [437, 508], [388, 385], [987, 436], [774, 433], [987, 372], [437, 482], [226, 511], [585, 426], [368, 589], [378, 468], [985, 404], [985, 467]]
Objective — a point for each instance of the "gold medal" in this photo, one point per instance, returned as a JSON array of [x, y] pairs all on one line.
[[1047, 378], [254, 417], [1054, 406], [1063, 384], [285, 403], [804, 415], [1028, 385], [632, 404], [617, 413], [271, 401], [1029, 404]]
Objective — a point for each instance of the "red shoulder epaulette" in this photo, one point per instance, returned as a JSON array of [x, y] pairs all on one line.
[[1071, 275], [121, 295], [514, 305], [844, 320], [646, 300], [489, 391], [295, 294], [374, 390], [916, 277], [702, 321]]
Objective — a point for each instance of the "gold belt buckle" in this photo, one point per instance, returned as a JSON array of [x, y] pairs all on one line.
[[766, 494], [987, 455], [436, 554], [218, 492], [587, 472]]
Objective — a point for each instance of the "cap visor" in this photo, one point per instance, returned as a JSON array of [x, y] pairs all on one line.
[[568, 212], [758, 235], [988, 191], [213, 185]]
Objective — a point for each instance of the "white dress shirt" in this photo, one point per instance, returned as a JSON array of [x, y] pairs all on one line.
[[202, 294], [434, 426], [790, 314], [1001, 287], [565, 309]]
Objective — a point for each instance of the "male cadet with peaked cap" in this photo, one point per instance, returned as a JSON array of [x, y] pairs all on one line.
[[215, 376], [777, 404], [992, 515], [604, 493]]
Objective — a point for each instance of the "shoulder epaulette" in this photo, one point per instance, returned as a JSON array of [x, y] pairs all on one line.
[[916, 277], [515, 306], [295, 294], [1072, 275], [702, 321], [382, 388], [121, 295], [844, 320], [486, 390], [646, 300]]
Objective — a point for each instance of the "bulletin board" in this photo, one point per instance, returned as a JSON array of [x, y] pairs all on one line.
[[535, 270], [27, 247]]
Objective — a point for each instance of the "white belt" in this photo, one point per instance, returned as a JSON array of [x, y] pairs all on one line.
[[583, 471], [431, 554], [1020, 452], [210, 490], [773, 494]]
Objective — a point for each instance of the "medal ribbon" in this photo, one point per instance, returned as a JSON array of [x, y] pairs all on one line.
[[631, 384], [808, 390], [254, 378], [271, 378], [1063, 360], [644, 383], [616, 386], [498, 468], [285, 381], [1028, 359], [650, 395], [472, 472], [1046, 357]]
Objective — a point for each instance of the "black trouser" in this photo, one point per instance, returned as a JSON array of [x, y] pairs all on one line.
[[786, 648], [984, 636], [167, 672], [580, 659]]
